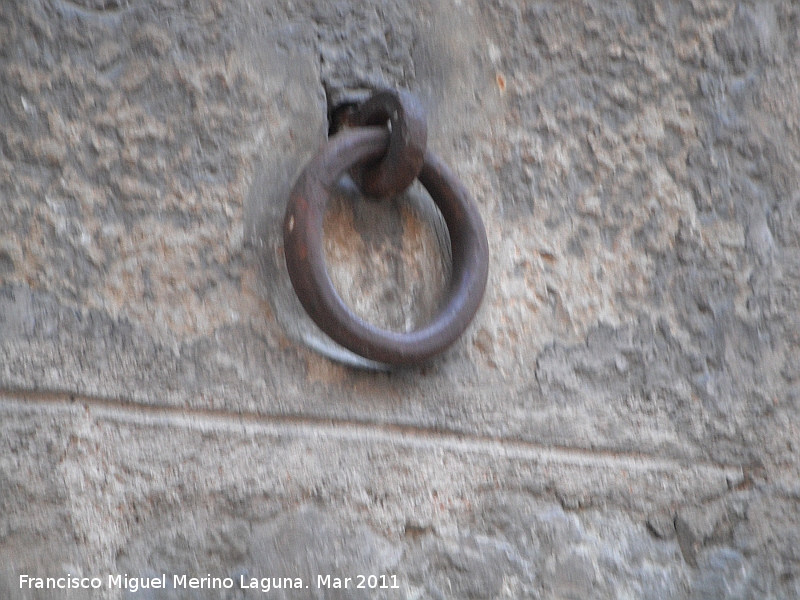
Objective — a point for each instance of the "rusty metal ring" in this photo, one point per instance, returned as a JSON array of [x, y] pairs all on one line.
[[305, 260], [399, 166]]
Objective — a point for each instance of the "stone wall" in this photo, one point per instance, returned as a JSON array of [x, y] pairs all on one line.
[[620, 420]]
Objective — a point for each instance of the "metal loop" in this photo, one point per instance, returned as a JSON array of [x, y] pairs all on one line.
[[305, 260], [397, 169]]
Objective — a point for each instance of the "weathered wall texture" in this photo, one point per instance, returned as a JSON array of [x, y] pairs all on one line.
[[620, 421]]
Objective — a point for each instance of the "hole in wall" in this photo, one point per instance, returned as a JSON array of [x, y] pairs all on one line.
[[339, 117]]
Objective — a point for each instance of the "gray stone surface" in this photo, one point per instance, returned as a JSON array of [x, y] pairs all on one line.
[[620, 421]]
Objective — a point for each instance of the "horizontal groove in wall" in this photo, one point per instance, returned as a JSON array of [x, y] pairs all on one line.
[[99, 409]]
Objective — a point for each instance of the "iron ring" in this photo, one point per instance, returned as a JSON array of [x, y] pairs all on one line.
[[305, 260]]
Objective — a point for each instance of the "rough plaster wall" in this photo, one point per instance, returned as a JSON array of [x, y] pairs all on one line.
[[620, 420]]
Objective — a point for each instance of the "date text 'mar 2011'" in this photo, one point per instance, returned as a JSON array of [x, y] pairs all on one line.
[[382, 582]]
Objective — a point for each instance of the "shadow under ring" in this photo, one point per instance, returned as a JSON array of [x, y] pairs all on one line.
[[305, 259]]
